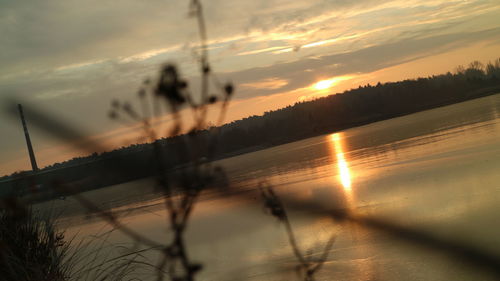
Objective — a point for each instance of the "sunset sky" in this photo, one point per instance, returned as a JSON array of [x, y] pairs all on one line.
[[71, 58]]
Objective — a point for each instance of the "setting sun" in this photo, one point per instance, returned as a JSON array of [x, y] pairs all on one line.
[[324, 84], [329, 83]]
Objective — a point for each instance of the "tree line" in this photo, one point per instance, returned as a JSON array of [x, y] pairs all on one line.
[[354, 107]]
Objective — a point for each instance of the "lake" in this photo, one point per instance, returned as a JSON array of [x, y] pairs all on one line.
[[437, 171]]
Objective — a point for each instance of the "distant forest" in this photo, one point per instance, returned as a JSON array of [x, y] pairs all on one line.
[[355, 107]]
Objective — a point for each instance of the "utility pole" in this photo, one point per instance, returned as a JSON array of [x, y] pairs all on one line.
[[28, 140]]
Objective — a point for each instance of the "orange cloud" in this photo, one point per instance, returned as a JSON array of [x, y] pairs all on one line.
[[269, 84]]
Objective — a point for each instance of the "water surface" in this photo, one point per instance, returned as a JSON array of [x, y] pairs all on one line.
[[436, 171]]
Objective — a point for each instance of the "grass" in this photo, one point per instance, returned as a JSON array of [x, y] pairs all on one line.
[[31, 248]]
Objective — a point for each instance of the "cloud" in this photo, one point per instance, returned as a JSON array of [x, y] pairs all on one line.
[[50, 33], [360, 61], [268, 83], [58, 33], [148, 54], [258, 51], [90, 82]]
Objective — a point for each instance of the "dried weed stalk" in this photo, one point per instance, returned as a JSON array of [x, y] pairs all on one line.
[[307, 266], [169, 94]]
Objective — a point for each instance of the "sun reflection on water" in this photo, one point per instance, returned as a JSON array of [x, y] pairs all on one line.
[[344, 172]]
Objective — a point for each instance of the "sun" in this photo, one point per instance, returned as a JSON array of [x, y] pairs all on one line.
[[324, 84]]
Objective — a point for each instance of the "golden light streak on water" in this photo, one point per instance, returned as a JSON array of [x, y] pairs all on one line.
[[345, 174], [365, 266]]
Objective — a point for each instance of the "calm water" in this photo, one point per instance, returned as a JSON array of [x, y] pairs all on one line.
[[437, 171]]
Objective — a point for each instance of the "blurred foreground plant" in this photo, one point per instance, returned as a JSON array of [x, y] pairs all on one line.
[[169, 94], [307, 266]]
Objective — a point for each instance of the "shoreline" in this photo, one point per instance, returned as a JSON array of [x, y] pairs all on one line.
[[25, 185]]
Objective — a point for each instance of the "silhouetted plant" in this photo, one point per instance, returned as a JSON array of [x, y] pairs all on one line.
[[172, 91], [32, 248]]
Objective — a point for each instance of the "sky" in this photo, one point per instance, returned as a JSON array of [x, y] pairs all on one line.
[[71, 58]]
